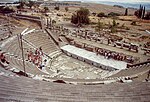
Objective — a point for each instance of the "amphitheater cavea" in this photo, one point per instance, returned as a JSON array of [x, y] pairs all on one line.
[[74, 51]]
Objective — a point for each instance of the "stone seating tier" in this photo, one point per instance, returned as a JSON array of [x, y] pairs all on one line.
[[28, 90]]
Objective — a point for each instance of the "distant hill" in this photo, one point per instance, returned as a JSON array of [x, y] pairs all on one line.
[[125, 4], [7, 0]]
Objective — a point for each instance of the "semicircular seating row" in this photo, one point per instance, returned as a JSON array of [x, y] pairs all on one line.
[[133, 71], [40, 39], [22, 89], [14, 54]]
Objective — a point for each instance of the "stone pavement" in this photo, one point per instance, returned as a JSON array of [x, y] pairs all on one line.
[[67, 67]]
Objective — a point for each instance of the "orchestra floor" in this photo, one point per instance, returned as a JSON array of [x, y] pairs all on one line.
[[67, 67]]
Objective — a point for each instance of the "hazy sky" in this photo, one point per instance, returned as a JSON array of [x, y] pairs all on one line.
[[113, 0], [97, 0], [124, 0]]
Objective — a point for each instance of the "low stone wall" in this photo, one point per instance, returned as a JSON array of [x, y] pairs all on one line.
[[30, 18], [138, 64], [54, 38]]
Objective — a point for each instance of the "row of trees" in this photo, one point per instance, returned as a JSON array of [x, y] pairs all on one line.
[[29, 4], [82, 17], [112, 26], [46, 9], [7, 9], [58, 8], [141, 13], [111, 14]]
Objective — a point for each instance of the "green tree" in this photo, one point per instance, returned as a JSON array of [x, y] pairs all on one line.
[[113, 27], [94, 14], [53, 22], [114, 23], [46, 9], [113, 30], [99, 26], [101, 14], [30, 4], [113, 14], [143, 15], [126, 12], [57, 8], [147, 16], [140, 13], [81, 17], [74, 19], [7, 10], [133, 23], [21, 5], [66, 9]]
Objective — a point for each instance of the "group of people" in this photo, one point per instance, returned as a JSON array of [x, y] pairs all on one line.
[[3, 58], [36, 57], [114, 55]]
